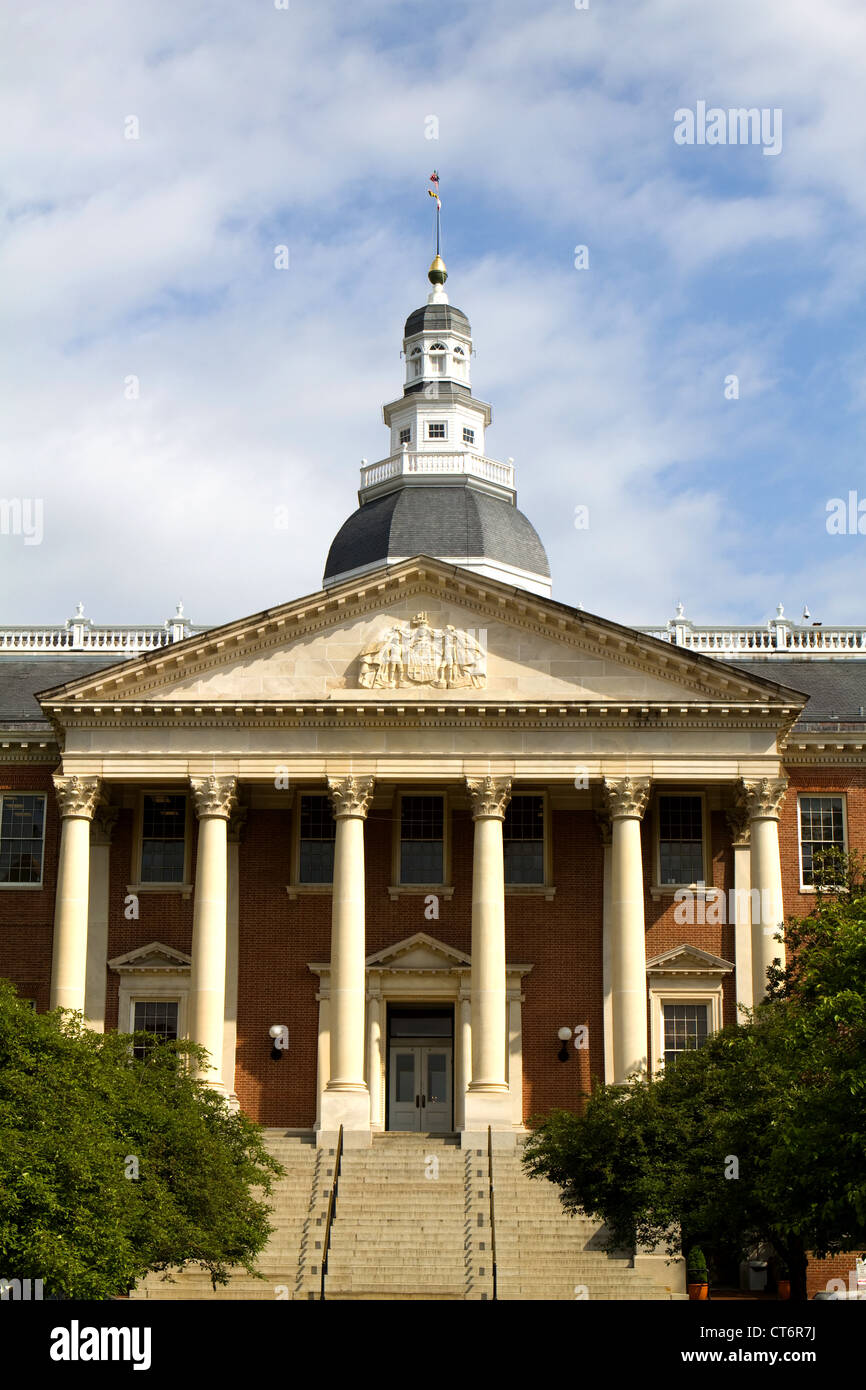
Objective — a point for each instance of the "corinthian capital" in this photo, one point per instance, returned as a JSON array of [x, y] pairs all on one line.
[[77, 796], [602, 820], [489, 796], [351, 796], [214, 796], [626, 796], [763, 798], [738, 824]]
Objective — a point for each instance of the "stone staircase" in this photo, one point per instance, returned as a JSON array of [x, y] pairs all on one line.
[[400, 1229], [412, 1222], [543, 1253], [294, 1202]]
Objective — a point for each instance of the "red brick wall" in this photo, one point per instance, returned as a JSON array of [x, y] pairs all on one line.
[[27, 914], [278, 936]]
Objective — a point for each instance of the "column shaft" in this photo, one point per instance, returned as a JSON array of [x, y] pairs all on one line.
[[346, 1100], [627, 798], [215, 799], [77, 798], [488, 1101], [763, 800]]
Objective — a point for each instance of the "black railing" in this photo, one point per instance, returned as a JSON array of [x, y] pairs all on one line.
[[492, 1210], [329, 1217]]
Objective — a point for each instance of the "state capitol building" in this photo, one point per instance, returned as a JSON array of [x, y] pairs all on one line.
[[410, 855]]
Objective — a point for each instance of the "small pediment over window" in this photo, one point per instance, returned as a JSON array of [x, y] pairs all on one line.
[[688, 960], [155, 958]]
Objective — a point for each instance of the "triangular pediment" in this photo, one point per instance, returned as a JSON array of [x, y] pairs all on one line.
[[688, 960], [418, 952], [420, 632], [152, 957]]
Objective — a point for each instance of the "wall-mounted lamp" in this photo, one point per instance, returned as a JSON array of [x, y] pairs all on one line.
[[279, 1034], [564, 1036]]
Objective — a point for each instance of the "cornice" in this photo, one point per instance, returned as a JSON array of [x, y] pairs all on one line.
[[394, 713]]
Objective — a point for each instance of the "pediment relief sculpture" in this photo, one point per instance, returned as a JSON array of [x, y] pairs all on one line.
[[414, 653]]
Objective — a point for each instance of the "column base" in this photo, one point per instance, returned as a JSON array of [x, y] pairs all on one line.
[[351, 1109], [487, 1110]]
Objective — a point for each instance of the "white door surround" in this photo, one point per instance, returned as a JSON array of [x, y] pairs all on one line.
[[421, 970]]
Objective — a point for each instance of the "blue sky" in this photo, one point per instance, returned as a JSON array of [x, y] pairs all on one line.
[[261, 389]]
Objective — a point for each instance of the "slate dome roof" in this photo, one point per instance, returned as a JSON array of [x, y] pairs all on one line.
[[444, 522]]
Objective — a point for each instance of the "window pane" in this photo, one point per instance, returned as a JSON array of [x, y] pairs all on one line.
[[422, 823], [681, 847], [22, 834], [685, 1029], [523, 840], [163, 830], [821, 828], [318, 829], [157, 1016], [437, 1077], [404, 1089]]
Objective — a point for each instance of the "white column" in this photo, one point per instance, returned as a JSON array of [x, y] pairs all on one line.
[[346, 1100], [463, 1060], [738, 821], [101, 827], [77, 798], [626, 802], [763, 800], [323, 1050], [234, 836], [488, 1102], [374, 1053], [214, 799], [604, 828], [515, 1052]]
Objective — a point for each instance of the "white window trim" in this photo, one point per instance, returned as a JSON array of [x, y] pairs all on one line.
[[684, 990], [397, 887], [544, 889], [28, 887], [153, 885], [704, 883], [295, 887], [818, 796]]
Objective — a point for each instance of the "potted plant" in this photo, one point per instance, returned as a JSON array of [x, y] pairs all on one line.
[[696, 1274]]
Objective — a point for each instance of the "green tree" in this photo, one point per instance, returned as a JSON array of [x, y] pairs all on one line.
[[113, 1165], [759, 1137]]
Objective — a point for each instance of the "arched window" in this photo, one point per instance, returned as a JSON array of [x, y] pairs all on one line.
[[437, 358]]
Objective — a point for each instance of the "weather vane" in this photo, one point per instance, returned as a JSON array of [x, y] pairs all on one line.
[[434, 193]]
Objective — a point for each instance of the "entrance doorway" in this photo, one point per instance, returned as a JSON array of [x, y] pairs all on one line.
[[420, 1069]]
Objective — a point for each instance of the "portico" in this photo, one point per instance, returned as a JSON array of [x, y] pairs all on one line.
[[440, 793]]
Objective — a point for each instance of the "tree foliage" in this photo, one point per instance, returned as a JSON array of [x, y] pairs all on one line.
[[757, 1138], [113, 1165]]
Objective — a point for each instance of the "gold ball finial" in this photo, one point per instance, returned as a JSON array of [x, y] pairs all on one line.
[[437, 274]]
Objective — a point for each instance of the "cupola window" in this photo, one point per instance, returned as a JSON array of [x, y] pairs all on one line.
[[436, 430], [416, 362], [406, 435], [437, 358], [468, 435]]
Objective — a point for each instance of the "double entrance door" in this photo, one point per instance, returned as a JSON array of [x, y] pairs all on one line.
[[419, 1089], [420, 1068]]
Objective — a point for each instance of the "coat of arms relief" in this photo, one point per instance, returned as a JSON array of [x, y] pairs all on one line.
[[414, 653]]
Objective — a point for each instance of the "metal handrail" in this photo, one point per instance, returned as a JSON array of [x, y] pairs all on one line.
[[332, 1200], [492, 1211]]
